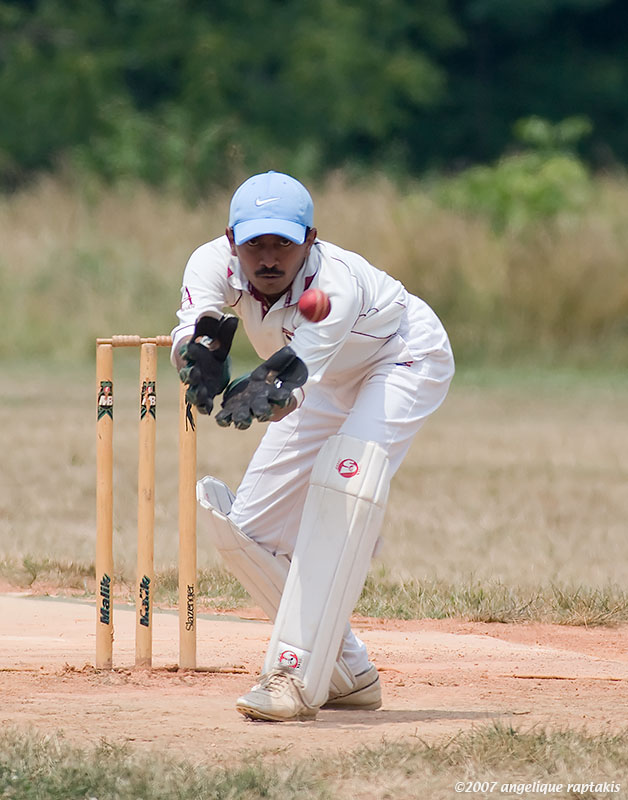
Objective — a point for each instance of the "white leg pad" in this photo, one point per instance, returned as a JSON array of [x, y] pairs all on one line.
[[261, 573], [214, 493], [341, 520]]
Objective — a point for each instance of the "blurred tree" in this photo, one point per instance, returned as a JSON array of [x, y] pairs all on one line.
[[553, 58], [156, 88], [541, 181], [52, 79], [191, 91]]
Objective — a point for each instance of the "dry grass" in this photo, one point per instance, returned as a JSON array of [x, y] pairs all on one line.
[[523, 483], [493, 760], [520, 480], [76, 265], [79, 263]]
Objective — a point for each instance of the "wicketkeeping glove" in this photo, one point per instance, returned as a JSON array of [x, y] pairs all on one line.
[[207, 368], [270, 384]]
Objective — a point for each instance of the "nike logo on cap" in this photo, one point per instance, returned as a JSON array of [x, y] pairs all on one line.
[[259, 202]]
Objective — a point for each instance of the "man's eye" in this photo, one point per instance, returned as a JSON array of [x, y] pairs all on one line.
[[285, 242], [253, 242]]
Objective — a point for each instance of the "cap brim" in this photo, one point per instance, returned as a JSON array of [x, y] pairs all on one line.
[[243, 231]]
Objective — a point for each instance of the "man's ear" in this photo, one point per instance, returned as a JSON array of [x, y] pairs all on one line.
[[310, 238], [229, 234]]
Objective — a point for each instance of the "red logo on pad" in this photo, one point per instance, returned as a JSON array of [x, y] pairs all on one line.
[[347, 468], [289, 659]]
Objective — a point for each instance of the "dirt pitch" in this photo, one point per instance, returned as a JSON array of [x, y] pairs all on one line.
[[439, 677]]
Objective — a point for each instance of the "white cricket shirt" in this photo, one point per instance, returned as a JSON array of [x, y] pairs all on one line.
[[373, 318]]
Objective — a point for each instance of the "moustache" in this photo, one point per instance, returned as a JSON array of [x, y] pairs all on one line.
[[263, 273]]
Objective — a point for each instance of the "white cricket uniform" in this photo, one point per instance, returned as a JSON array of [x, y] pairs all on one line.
[[378, 366]]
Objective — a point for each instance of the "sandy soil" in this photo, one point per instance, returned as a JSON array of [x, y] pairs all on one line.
[[439, 677]]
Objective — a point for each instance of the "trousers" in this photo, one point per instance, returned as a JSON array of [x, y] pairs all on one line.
[[387, 404]]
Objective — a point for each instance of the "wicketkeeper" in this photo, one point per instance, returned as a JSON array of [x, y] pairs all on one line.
[[344, 398]]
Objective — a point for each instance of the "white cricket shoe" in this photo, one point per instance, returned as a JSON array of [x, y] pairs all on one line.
[[364, 695], [277, 698]]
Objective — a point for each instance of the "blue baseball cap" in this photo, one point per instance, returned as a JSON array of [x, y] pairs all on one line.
[[271, 203]]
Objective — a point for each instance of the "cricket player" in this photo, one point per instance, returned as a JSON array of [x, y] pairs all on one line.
[[343, 398]]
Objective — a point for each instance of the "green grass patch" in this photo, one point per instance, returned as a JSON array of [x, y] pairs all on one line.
[[33, 767], [383, 596], [31, 572], [491, 601], [215, 587]]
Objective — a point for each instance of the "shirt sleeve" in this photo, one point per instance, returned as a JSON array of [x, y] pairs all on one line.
[[205, 290]]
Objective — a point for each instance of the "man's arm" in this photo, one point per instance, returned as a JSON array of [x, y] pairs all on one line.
[[205, 291]]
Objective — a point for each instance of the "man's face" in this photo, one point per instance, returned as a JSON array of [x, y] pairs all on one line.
[[271, 262]]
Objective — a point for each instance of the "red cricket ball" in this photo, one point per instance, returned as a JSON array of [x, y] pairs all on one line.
[[314, 305]]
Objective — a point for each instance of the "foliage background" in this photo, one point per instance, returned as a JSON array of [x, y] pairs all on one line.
[[190, 92], [475, 149], [538, 289]]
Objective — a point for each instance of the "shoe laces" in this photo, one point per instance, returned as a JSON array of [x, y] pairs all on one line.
[[275, 680]]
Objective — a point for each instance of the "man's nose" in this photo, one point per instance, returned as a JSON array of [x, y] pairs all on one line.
[[268, 256]]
